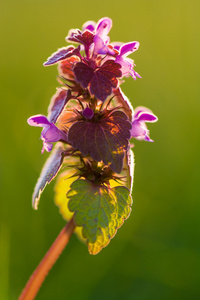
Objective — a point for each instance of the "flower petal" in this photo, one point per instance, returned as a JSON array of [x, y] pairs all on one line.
[[128, 48], [38, 121], [103, 27], [101, 39], [147, 117], [89, 25], [139, 129], [144, 114], [46, 146], [52, 134]]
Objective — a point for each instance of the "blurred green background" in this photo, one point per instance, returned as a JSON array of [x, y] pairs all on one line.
[[156, 254]]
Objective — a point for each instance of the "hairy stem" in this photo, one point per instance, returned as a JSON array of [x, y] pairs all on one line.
[[33, 285]]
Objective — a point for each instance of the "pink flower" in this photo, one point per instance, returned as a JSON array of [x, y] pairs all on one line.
[[50, 132], [127, 64], [139, 129]]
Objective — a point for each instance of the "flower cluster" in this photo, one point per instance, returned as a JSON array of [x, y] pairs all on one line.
[[89, 115]]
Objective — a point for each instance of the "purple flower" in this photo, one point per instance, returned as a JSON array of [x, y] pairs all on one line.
[[89, 25], [139, 129], [127, 64], [50, 132], [101, 38]]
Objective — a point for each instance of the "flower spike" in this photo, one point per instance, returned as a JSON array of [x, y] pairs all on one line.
[[92, 121]]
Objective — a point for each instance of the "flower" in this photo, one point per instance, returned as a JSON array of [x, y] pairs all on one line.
[[127, 64], [50, 132], [89, 25], [101, 38], [139, 129]]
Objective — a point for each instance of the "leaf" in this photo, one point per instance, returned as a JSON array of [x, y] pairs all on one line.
[[48, 173], [61, 54], [104, 139], [65, 67], [127, 174], [65, 179], [62, 186], [57, 104], [83, 74], [101, 80], [85, 38], [121, 99], [129, 167], [104, 79], [99, 210]]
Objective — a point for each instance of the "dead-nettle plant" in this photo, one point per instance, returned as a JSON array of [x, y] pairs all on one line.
[[91, 121]]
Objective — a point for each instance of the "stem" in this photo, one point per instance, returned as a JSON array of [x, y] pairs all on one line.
[[33, 285]]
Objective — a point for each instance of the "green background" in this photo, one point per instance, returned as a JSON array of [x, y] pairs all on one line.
[[156, 254]]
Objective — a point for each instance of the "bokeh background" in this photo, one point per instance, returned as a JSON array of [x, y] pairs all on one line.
[[156, 254]]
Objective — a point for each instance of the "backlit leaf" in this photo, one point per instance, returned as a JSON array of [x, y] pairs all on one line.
[[65, 67], [60, 54], [57, 104], [127, 173], [99, 210], [62, 186], [103, 139], [49, 171], [121, 99], [101, 80], [85, 38], [83, 74], [105, 79]]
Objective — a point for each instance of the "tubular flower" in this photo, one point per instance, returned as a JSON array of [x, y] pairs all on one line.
[[139, 129], [101, 38], [127, 64], [50, 132]]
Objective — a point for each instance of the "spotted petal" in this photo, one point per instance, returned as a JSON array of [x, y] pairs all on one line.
[[38, 121], [128, 48], [144, 114]]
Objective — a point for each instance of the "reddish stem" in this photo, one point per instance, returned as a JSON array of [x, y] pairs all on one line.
[[33, 285]]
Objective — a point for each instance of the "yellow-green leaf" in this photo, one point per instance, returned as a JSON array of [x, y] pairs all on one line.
[[99, 210]]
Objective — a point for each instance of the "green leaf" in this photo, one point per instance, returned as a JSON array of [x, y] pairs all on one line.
[[66, 178], [99, 210], [62, 186]]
